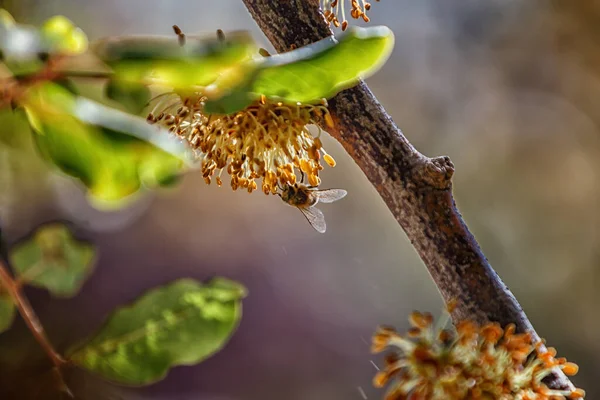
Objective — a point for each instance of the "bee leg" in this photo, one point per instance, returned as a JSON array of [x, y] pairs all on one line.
[[301, 176]]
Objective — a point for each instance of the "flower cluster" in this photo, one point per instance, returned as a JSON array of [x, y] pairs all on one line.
[[268, 141], [332, 12], [475, 362]]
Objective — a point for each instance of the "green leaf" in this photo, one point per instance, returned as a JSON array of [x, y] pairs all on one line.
[[67, 84], [111, 152], [329, 70], [14, 129], [181, 323], [54, 260], [21, 45], [61, 35], [126, 125], [7, 311], [132, 96], [162, 60], [308, 74], [6, 19]]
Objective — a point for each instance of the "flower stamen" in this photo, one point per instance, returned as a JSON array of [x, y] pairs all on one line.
[[472, 362], [266, 140], [358, 10]]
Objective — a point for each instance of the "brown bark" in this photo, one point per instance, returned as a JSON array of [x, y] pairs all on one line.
[[417, 189]]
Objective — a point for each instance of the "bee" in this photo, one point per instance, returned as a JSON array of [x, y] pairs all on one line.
[[305, 198]]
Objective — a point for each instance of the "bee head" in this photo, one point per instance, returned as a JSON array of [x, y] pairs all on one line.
[[287, 192]]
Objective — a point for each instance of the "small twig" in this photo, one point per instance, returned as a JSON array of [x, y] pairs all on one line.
[[28, 315], [11, 88]]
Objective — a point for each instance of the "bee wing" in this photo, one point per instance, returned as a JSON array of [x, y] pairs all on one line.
[[315, 218], [330, 195]]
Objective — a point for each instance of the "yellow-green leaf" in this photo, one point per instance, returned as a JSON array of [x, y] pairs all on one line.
[[162, 60], [6, 19], [134, 97], [53, 259], [62, 36], [308, 74], [112, 153], [182, 323]]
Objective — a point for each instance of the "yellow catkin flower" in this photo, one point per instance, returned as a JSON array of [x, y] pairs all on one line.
[[474, 362], [266, 140], [333, 10]]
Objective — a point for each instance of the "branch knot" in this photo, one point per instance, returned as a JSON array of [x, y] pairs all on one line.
[[435, 172]]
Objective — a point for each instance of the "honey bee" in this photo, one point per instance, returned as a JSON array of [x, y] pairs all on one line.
[[305, 198]]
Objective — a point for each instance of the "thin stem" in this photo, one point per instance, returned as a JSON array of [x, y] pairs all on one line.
[[11, 89], [30, 317]]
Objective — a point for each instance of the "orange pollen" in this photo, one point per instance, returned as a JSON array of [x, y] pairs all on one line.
[[266, 140], [470, 363]]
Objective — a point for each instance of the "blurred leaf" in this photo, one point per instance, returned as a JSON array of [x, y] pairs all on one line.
[[162, 60], [14, 129], [181, 323], [132, 96], [21, 45], [23, 173], [126, 125], [54, 260], [78, 149], [7, 311], [109, 151], [5, 73], [308, 74], [68, 84], [62, 36], [6, 19], [232, 91]]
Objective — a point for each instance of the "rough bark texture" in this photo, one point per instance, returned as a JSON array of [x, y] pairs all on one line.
[[417, 189]]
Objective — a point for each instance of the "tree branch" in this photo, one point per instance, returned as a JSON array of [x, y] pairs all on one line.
[[28, 315], [417, 189]]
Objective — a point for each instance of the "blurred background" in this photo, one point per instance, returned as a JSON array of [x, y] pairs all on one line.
[[507, 89]]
